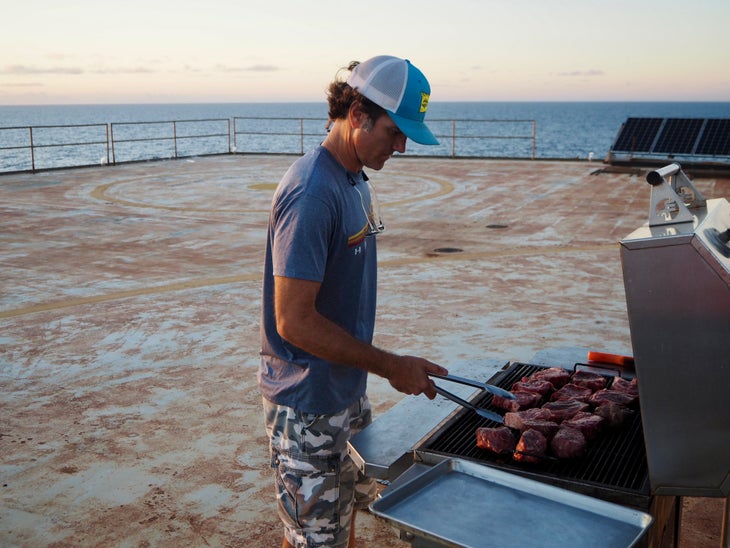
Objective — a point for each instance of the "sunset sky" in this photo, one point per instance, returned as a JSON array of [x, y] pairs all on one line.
[[160, 51]]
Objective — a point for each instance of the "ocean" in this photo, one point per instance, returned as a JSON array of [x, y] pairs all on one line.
[[563, 130]]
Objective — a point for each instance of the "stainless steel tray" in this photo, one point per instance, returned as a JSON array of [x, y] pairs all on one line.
[[465, 504]]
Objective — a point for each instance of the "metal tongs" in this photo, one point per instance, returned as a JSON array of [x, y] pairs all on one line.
[[485, 413]]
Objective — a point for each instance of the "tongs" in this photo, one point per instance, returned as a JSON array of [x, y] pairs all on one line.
[[485, 413]]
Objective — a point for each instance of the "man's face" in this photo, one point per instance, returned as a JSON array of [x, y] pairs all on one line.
[[376, 141]]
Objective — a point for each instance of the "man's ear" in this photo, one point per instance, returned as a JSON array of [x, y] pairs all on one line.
[[358, 117]]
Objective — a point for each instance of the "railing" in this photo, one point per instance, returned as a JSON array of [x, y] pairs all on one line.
[[50, 147]]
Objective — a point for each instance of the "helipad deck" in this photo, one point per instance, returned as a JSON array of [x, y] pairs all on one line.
[[129, 324]]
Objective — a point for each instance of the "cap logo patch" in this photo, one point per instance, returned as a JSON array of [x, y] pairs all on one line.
[[424, 101]]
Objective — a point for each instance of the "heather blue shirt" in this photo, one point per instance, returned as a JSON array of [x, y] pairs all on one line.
[[317, 231]]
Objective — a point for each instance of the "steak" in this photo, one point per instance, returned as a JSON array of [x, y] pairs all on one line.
[[614, 396], [565, 409], [499, 439], [530, 447], [523, 400], [516, 419], [588, 379], [614, 413], [572, 392], [630, 387], [540, 386], [557, 376], [568, 443], [590, 425]]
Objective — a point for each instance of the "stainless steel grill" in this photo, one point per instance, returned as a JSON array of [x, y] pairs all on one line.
[[614, 467]]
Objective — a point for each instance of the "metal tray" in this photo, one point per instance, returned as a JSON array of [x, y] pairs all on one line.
[[464, 504]]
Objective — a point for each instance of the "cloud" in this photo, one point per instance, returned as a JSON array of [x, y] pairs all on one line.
[[23, 85], [250, 68], [27, 70], [582, 73], [24, 69]]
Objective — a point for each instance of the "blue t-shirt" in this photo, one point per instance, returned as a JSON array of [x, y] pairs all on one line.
[[317, 231]]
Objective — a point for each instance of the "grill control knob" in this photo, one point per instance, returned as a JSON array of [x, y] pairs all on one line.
[[719, 240]]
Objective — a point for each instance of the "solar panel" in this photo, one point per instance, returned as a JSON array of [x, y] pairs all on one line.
[[715, 140], [678, 135], [638, 134], [670, 137]]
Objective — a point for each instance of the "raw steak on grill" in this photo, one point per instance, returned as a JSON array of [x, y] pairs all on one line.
[[572, 392], [630, 387], [516, 419], [530, 447], [540, 386], [499, 439], [523, 400], [607, 395], [557, 376], [614, 413], [593, 381], [590, 425], [565, 409], [568, 443]]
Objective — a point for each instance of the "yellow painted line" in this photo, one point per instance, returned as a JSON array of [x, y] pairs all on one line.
[[209, 282]]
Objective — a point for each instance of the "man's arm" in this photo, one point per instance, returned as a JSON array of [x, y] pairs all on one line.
[[299, 322]]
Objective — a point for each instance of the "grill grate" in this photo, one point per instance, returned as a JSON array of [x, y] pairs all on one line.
[[614, 467]]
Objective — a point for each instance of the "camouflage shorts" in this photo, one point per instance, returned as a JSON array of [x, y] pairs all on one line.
[[317, 485]]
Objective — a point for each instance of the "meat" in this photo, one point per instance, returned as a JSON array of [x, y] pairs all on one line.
[[540, 386], [614, 396], [532, 419], [523, 400], [630, 387], [565, 409], [531, 446], [516, 419], [572, 392], [568, 443], [588, 379], [557, 376], [590, 425], [614, 413], [499, 439]]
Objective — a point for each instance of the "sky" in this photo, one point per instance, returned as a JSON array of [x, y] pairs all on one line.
[[163, 51]]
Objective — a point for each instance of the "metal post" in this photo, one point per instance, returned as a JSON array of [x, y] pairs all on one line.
[[107, 143], [174, 136], [301, 136], [228, 120], [534, 137], [114, 158], [32, 152], [453, 138]]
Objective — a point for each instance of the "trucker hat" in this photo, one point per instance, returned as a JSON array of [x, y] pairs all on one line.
[[401, 89]]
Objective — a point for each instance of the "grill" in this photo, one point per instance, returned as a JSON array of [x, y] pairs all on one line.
[[614, 467]]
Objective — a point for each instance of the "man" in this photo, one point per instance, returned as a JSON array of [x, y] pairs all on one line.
[[319, 295]]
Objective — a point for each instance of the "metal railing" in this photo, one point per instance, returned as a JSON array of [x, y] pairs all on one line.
[[33, 148]]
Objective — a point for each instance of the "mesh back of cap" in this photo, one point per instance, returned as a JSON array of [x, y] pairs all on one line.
[[385, 83]]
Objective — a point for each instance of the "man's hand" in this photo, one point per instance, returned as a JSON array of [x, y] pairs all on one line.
[[409, 374]]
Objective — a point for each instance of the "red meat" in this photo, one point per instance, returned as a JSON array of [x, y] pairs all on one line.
[[589, 379], [568, 443], [516, 419], [531, 446], [614, 413], [614, 396], [565, 409], [523, 400], [590, 425], [572, 392], [499, 439], [540, 386], [557, 376], [630, 387]]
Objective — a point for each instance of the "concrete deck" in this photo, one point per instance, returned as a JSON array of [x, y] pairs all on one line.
[[129, 314]]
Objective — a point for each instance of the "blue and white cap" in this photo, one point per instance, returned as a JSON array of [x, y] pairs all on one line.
[[401, 89]]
